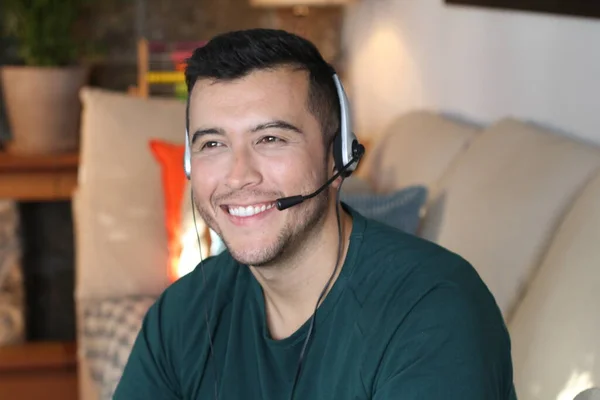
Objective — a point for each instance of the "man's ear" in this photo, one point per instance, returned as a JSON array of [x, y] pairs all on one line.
[[331, 166], [331, 163], [330, 158]]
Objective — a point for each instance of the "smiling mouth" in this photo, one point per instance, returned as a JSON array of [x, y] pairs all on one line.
[[248, 211]]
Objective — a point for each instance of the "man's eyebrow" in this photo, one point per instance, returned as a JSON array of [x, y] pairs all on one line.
[[208, 131], [277, 124]]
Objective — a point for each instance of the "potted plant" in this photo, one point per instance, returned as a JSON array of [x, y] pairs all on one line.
[[41, 90]]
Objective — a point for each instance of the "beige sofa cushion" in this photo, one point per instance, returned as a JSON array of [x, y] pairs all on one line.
[[120, 226], [417, 149], [555, 330], [502, 202]]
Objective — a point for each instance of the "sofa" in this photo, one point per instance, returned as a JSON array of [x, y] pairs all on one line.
[[518, 200]]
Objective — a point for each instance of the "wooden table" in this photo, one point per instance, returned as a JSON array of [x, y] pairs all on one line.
[[39, 370], [38, 177]]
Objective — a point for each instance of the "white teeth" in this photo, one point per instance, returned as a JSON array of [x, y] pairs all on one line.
[[249, 211]]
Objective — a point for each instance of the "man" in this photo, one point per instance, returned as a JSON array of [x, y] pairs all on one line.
[[401, 318]]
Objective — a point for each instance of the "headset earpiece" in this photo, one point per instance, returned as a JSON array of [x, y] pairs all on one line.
[[187, 157], [345, 144]]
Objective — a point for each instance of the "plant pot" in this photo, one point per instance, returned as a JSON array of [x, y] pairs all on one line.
[[43, 108]]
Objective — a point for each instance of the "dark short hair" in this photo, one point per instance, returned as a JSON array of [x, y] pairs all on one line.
[[235, 54]]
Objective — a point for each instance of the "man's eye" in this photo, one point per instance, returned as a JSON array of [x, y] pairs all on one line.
[[210, 145], [270, 139]]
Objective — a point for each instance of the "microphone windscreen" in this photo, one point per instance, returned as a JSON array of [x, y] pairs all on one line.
[[287, 202]]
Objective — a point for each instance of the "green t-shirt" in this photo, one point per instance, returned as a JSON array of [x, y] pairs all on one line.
[[406, 320]]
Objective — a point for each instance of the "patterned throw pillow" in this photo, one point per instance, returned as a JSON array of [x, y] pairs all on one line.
[[400, 209], [12, 296], [110, 328]]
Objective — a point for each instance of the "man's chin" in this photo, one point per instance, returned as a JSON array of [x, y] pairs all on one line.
[[254, 254], [253, 258]]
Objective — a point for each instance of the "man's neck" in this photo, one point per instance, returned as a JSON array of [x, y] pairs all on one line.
[[291, 291]]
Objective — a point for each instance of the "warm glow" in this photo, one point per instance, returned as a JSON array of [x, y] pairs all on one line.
[[190, 254], [578, 382], [383, 89], [173, 273]]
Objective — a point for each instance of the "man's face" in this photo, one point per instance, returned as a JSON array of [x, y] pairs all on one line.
[[254, 141]]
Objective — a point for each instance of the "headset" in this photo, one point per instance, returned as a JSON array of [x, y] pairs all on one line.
[[347, 152]]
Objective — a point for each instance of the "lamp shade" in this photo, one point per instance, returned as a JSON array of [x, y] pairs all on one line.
[[294, 3]]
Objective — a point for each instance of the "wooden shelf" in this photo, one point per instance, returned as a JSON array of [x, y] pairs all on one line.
[[37, 355], [38, 177], [22, 163], [45, 370]]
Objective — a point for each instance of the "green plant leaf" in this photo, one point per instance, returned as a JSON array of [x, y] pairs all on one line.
[[45, 30]]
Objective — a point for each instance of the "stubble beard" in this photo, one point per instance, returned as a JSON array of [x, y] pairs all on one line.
[[308, 219], [294, 236]]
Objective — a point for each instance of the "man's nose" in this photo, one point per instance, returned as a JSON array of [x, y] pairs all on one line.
[[243, 170]]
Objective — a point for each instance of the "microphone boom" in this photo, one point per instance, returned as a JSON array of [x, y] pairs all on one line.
[[287, 202]]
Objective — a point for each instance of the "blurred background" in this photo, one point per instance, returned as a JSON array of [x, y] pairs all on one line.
[[487, 106]]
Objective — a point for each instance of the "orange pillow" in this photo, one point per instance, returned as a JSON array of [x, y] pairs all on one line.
[[170, 157]]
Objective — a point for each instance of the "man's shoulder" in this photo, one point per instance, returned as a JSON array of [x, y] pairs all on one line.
[[173, 328], [397, 270], [387, 251], [412, 292]]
